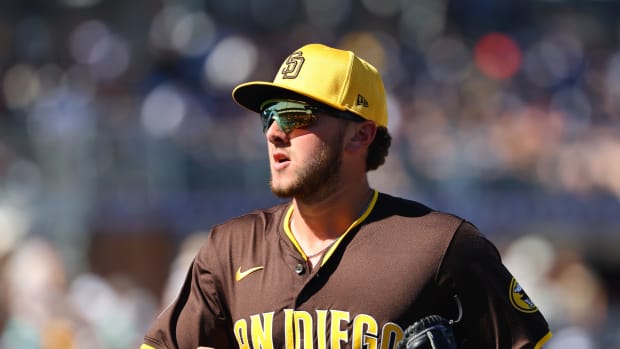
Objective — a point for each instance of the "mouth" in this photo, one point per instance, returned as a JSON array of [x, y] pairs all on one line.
[[280, 160]]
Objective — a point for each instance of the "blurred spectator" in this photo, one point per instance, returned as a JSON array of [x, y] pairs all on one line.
[[568, 291], [46, 310]]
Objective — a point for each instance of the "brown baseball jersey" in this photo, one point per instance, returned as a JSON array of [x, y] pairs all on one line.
[[249, 285]]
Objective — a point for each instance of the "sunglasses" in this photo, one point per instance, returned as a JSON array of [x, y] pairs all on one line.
[[290, 114]]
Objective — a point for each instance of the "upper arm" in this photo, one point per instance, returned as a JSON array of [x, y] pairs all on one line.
[[496, 310], [196, 316]]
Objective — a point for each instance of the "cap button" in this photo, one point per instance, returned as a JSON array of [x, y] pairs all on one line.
[[299, 269]]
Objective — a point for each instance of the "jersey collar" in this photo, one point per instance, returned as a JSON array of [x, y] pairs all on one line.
[[330, 251]]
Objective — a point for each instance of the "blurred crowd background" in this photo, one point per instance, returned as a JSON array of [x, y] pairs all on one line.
[[120, 145]]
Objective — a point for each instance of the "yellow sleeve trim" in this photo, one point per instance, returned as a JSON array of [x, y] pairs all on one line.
[[540, 343], [146, 346]]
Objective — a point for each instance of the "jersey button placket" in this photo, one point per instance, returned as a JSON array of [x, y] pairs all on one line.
[[299, 269]]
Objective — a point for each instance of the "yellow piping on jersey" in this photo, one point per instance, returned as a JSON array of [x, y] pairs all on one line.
[[289, 233], [358, 221], [543, 340]]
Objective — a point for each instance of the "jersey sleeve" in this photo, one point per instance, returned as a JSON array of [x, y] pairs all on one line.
[[196, 317], [496, 311]]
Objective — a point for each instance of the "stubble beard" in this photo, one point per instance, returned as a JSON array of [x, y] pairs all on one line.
[[318, 178]]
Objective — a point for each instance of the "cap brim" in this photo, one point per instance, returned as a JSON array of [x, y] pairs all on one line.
[[252, 94]]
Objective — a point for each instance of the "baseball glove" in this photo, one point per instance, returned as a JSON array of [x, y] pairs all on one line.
[[431, 332]]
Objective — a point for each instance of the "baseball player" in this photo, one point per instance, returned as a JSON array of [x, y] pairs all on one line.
[[341, 265]]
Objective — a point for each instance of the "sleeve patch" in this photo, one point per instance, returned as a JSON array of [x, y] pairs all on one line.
[[519, 299]]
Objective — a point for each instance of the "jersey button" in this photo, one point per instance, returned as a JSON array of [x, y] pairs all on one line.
[[299, 269]]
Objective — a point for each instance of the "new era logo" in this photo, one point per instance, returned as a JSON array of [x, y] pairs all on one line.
[[361, 100]]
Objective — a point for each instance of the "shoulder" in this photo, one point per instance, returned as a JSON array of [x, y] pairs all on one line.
[[260, 221], [256, 230], [398, 223], [471, 244], [413, 216], [260, 218]]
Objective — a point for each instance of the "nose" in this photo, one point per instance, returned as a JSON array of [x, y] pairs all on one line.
[[275, 135]]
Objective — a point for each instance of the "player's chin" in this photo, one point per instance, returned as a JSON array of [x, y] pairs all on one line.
[[282, 190]]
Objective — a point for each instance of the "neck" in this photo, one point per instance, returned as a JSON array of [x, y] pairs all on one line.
[[330, 217]]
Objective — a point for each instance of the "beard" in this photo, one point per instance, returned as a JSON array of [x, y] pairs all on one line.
[[319, 178]]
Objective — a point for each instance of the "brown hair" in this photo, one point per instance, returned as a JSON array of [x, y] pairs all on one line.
[[378, 149]]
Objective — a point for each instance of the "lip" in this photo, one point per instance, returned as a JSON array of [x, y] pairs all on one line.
[[280, 160]]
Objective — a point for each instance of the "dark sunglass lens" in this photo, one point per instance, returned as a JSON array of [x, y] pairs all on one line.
[[266, 117]]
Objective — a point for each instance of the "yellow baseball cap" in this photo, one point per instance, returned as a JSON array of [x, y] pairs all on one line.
[[333, 77]]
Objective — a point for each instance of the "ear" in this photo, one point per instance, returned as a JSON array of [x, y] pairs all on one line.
[[363, 134]]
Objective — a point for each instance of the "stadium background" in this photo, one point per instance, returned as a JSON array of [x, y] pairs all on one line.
[[120, 145]]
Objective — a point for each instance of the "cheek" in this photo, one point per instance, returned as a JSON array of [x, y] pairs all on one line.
[[309, 142], [355, 140], [353, 146]]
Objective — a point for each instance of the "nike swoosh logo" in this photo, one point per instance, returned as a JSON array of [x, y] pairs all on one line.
[[242, 274]]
